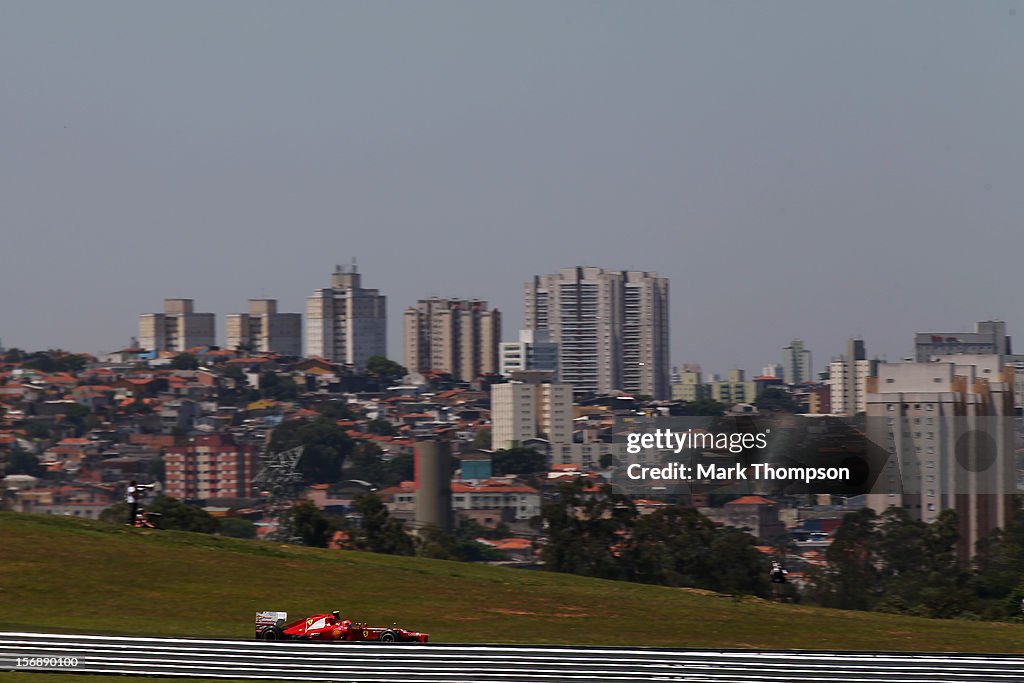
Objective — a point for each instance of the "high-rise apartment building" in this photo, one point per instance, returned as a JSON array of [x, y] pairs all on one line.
[[177, 329], [847, 379], [455, 336], [796, 363], [346, 323], [611, 327], [531, 410], [264, 329], [533, 351], [948, 430]]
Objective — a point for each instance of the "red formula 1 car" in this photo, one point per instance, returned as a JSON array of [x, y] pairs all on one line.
[[329, 628]]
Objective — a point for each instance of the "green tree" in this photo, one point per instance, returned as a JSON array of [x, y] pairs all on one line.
[[309, 524], [37, 431], [519, 461], [336, 410], [398, 469], [236, 527], [20, 462], [80, 418], [379, 532], [185, 361], [894, 563], [999, 573], [325, 447], [482, 439], [54, 361], [278, 387], [365, 463], [381, 426], [116, 514], [387, 371], [436, 544], [460, 544], [233, 372], [582, 533], [778, 400], [671, 547], [740, 567], [852, 578], [175, 514]]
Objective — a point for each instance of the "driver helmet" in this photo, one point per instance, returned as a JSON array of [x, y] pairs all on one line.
[[346, 623]]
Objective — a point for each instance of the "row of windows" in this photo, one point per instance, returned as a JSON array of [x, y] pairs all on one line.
[[931, 506], [891, 407]]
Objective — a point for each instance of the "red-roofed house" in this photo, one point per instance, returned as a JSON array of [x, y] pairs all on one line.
[[520, 549], [756, 514]]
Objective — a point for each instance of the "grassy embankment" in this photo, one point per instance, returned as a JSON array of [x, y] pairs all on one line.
[[67, 575]]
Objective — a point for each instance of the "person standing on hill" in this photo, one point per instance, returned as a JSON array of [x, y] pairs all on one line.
[[131, 497]]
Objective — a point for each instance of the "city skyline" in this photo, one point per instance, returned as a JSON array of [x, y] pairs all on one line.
[[222, 332], [796, 170]]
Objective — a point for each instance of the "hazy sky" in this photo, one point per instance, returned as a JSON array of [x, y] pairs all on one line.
[[812, 169]]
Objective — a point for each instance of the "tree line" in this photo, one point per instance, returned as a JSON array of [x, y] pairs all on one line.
[[890, 562], [602, 534]]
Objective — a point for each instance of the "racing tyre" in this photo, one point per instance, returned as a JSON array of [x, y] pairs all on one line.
[[272, 633], [389, 637]]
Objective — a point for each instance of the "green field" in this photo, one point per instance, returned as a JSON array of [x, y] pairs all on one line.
[[67, 575]]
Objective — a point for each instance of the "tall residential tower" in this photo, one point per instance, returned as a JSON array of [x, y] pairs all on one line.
[[177, 329], [848, 377], [455, 336], [346, 323], [611, 327], [264, 329], [796, 363]]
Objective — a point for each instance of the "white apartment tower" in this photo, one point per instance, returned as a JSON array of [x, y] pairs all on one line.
[[346, 323], [264, 329], [177, 329], [455, 336], [847, 379], [533, 351], [947, 428], [611, 327], [531, 410]]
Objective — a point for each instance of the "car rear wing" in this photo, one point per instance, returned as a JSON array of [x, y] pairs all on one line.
[[265, 619]]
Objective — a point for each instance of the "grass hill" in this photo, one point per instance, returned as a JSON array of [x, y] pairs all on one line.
[[67, 575]]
